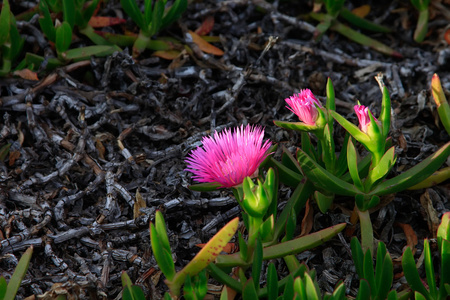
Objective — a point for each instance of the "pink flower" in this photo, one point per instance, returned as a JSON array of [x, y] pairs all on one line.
[[363, 116], [228, 157], [304, 107]]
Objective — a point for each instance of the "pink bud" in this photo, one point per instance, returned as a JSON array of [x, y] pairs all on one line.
[[304, 106], [363, 116]]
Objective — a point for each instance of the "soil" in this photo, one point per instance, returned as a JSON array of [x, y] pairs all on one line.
[[92, 140]]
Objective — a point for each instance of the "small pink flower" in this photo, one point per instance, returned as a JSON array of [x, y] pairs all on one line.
[[228, 157], [304, 107], [363, 116]]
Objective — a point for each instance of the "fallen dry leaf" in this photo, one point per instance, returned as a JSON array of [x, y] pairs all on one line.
[[361, 11], [26, 74], [206, 27], [204, 45]]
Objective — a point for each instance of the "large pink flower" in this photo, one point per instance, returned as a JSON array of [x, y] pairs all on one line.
[[304, 106], [363, 116], [228, 157]]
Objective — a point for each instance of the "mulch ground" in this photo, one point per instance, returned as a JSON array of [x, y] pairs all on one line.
[[91, 139]]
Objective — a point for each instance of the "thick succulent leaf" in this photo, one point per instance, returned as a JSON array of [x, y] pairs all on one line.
[[46, 21], [272, 282], [385, 115], [357, 256], [249, 291], [352, 161], [411, 273], [174, 13], [257, 263], [162, 256], [5, 22], [85, 53], [298, 126], [351, 128], [206, 255], [429, 269], [382, 168], [442, 105], [369, 273], [18, 275], [324, 179], [302, 243], [415, 174], [63, 37], [286, 175], [131, 9], [69, 12], [361, 22], [364, 290]]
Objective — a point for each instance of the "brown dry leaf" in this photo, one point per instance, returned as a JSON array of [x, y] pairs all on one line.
[[26, 74], [204, 45], [362, 11], [307, 222], [411, 237], [138, 204], [13, 155], [447, 36], [431, 214], [167, 54], [98, 21], [206, 27], [101, 149]]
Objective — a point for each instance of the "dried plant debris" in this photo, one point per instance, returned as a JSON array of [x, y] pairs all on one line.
[[93, 149]]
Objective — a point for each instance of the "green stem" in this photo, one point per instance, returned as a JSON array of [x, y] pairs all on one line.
[[366, 230], [291, 262]]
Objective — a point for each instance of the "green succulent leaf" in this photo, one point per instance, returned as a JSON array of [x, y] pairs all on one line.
[[69, 12], [249, 291], [18, 275], [158, 12], [381, 170], [352, 161], [63, 37], [385, 115], [46, 21], [429, 269], [4, 285], [162, 256], [272, 282], [411, 273], [5, 22], [324, 179], [442, 105], [257, 263], [208, 253], [415, 174], [85, 53], [131, 8], [364, 290], [369, 273], [362, 23], [357, 256], [297, 126], [174, 13]]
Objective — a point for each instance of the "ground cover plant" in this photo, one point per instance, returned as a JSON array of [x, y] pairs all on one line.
[[237, 149]]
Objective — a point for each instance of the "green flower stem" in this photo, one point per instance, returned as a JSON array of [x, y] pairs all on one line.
[[366, 230], [291, 262]]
